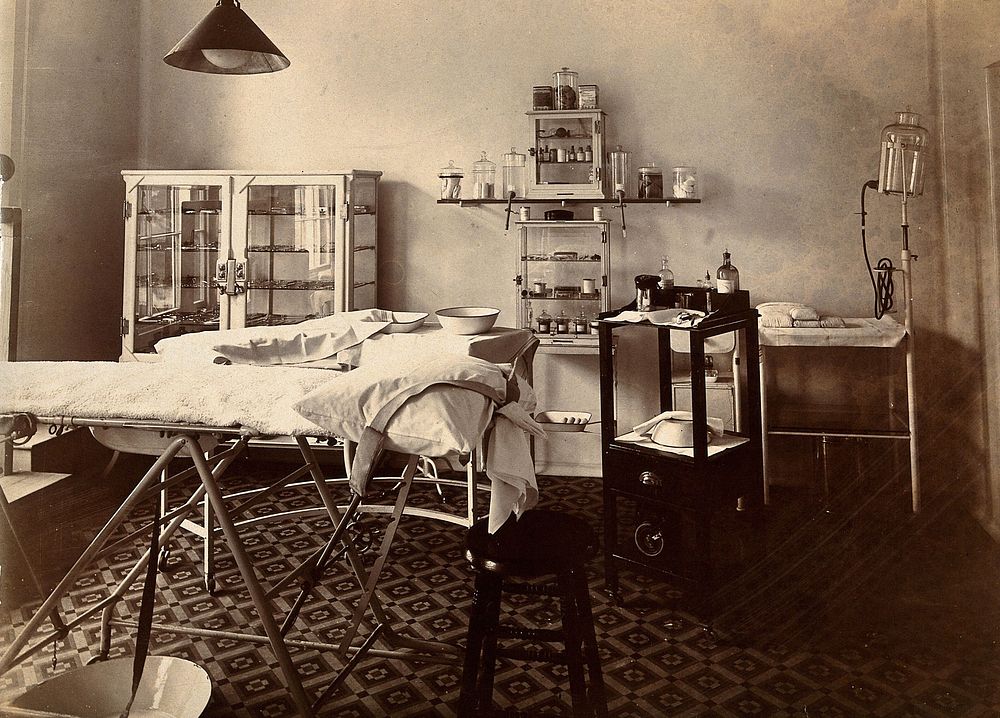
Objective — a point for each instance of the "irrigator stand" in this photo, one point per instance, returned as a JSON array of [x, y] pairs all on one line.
[[911, 389]]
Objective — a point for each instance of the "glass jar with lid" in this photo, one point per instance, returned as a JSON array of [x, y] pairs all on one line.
[[685, 184], [650, 182], [483, 178], [564, 89], [451, 181]]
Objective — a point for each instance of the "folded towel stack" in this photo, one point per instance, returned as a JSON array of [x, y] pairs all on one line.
[[792, 314]]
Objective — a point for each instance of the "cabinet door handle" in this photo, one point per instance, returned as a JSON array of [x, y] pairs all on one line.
[[648, 478]]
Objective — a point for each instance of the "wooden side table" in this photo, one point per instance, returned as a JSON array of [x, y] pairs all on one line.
[[679, 491]]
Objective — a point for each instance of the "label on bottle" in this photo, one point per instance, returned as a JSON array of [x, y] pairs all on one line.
[[725, 286]]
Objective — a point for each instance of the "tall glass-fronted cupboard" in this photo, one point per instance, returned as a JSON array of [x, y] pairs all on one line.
[[208, 250]]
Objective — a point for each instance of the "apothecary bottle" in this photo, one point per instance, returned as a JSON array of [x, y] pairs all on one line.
[[562, 323], [650, 182], [483, 178], [666, 275], [451, 181], [544, 322], [727, 276]]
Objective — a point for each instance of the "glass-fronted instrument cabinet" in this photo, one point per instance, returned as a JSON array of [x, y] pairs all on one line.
[[564, 279], [567, 155], [207, 250]]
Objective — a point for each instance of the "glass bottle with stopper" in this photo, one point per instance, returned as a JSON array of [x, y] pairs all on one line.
[[727, 275], [666, 275]]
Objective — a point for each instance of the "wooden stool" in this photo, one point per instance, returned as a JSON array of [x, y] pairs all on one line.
[[540, 543]]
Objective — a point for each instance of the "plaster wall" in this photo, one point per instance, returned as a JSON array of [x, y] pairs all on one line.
[[962, 407], [7, 13], [778, 104], [73, 126]]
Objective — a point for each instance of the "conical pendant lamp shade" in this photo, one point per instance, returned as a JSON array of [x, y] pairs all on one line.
[[227, 42]]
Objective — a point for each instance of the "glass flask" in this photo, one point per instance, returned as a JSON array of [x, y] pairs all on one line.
[[901, 160], [618, 161], [451, 181], [483, 177], [514, 178], [727, 276], [564, 89]]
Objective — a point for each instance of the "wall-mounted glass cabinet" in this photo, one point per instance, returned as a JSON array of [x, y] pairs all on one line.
[[567, 154], [207, 250]]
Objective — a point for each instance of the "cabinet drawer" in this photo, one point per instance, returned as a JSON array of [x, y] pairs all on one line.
[[680, 484]]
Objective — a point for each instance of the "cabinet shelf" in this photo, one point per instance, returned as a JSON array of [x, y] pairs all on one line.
[[573, 200], [288, 250], [560, 260], [293, 285]]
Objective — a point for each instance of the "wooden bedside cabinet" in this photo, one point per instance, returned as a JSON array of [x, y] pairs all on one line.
[[661, 504]]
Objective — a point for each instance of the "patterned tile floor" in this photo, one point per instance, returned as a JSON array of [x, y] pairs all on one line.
[[859, 611]]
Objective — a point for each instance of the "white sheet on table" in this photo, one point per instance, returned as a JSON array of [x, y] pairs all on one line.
[[200, 346], [257, 398], [858, 332]]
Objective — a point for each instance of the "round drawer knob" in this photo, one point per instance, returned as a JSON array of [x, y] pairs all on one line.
[[648, 478]]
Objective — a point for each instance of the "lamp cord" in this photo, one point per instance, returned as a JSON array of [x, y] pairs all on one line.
[[882, 286]]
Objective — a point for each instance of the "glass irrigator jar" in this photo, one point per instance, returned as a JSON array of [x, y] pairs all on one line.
[[514, 178], [901, 161], [564, 89], [618, 160], [483, 177]]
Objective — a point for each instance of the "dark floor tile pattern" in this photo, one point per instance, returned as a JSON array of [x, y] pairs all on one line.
[[858, 611]]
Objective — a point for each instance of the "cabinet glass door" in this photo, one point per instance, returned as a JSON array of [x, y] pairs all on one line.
[[290, 253], [361, 243], [177, 233], [564, 279], [567, 155]]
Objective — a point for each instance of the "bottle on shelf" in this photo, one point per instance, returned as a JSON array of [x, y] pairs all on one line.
[[581, 323], [562, 323], [728, 276], [571, 156], [544, 323], [666, 275], [588, 154], [706, 281]]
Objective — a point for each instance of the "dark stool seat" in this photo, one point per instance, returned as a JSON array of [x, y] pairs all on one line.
[[540, 544]]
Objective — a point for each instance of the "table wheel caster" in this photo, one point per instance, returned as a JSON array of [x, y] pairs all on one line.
[[210, 585], [161, 560], [99, 658]]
